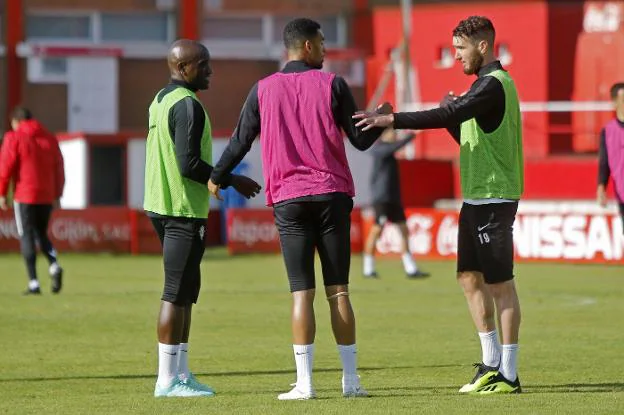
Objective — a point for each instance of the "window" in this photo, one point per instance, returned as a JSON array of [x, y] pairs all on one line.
[[54, 66], [47, 70], [260, 36], [330, 25], [237, 28], [213, 5], [97, 27], [76, 27], [135, 27]]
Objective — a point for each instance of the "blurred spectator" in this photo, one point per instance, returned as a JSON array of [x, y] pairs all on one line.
[[386, 191], [611, 152], [30, 157]]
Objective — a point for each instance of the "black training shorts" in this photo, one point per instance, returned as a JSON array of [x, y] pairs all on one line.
[[305, 227], [183, 246], [389, 212], [485, 240]]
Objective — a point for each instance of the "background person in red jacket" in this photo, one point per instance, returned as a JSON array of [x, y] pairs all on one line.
[[30, 157]]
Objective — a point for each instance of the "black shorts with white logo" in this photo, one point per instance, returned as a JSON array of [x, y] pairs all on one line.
[[485, 240], [305, 227], [389, 212], [182, 240]]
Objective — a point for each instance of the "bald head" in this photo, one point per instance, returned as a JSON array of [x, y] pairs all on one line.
[[189, 61]]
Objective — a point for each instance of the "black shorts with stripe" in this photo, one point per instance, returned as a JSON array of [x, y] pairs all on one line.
[[485, 240], [182, 241]]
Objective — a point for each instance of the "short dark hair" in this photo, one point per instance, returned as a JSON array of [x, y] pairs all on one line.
[[475, 27], [21, 114], [616, 88], [298, 31]]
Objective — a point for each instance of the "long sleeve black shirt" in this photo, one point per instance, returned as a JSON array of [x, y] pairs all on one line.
[[485, 101], [187, 120], [248, 127], [604, 171], [385, 182]]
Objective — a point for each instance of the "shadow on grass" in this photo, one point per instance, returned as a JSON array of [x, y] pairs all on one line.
[[391, 391], [208, 374], [526, 389], [577, 387]]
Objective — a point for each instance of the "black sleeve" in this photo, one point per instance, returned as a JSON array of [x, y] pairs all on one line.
[[455, 132], [382, 149], [186, 124], [483, 97], [247, 129], [604, 172], [343, 108]]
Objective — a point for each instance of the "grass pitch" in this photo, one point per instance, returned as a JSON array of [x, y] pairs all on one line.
[[92, 349]]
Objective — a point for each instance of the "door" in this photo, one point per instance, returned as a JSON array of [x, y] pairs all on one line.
[[92, 93]]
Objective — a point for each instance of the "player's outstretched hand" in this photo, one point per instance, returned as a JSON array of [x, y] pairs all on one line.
[[3, 203], [381, 117], [370, 120], [385, 108], [448, 98], [245, 186]]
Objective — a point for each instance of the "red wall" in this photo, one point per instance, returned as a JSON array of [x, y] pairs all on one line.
[[599, 64], [425, 181], [561, 69], [595, 75], [555, 178], [542, 58]]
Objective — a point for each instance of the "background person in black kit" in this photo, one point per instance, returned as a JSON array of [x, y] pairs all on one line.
[[387, 202]]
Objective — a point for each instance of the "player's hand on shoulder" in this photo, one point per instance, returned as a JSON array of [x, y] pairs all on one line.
[[245, 186]]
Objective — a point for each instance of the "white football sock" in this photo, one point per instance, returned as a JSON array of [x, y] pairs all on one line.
[[409, 265], [304, 358], [348, 356], [183, 369], [167, 364], [508, 366], [490, 348], [369, 264]]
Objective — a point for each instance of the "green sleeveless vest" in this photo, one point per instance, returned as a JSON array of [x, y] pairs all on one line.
[[166, 191], [491, 164]]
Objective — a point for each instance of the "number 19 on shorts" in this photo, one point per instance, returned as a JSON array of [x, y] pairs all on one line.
[[484, 238]]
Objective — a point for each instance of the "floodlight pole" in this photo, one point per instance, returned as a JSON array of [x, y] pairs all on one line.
[[14, 23], [406, 93]]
